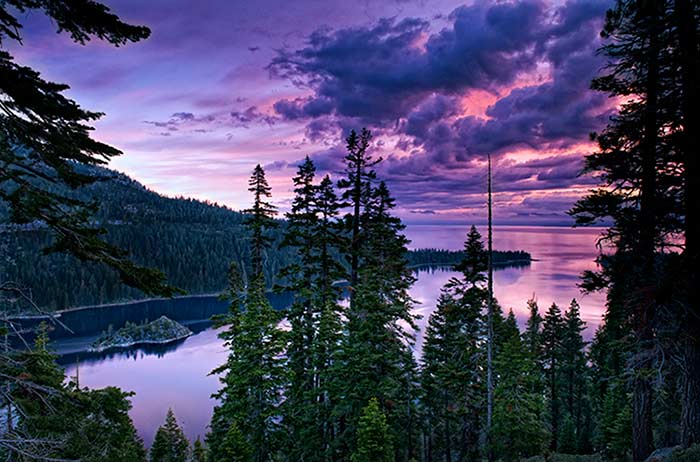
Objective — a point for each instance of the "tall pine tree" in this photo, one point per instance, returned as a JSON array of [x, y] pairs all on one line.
[[170, 443], [254, 374], [451, 381]]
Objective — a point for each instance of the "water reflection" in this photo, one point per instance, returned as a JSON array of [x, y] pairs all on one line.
[[177, 375]]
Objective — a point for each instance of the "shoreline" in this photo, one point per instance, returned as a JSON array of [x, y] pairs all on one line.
[[59, 313], [138, 343]]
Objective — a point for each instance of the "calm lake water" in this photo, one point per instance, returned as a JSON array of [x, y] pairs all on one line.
[[176, 376]]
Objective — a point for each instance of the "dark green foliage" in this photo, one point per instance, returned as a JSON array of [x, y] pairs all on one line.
[[447, 258], [60, 421], [45, 138], [260, 219], [517, 426], [314, 316], [356, 187], [375, 359], [234, 447], [639, 164], [691, 454], [373, 437], [193, 242], [552, 339], [452, 390], [170, 443], [199, 451], [254, 374]]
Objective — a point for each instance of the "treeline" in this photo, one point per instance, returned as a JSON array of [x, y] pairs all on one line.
[[343, 384], [192, 242], [448, 258]]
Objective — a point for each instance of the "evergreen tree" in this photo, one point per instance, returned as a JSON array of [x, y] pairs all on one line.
[[640, 189], [300, 400], [552, 337], [170, 443], [376, 357], [234, 447], [45, 140], [356, 187], [199, 451], [254, 374], [574, 373], [373, 436], [532, 337], [260, 219], [328, 242], [686, 23], [451, 382], [518, 430], [314, 315], [58, 421]]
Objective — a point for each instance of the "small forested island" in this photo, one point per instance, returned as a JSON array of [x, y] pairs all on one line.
[[162, 330], [442, 257]]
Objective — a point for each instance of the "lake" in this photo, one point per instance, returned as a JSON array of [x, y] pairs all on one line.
[[176, 376]]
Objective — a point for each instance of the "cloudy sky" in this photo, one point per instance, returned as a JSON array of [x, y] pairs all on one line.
[[222, 85]]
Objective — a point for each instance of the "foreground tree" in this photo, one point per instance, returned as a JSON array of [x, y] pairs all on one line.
[[640, 193], [254, 373], [170, 443], [356, 187], [59, 421], [45, 144], [451, 379], [373, 438], [375, 356], [686, 22], [315, 315], [552, 337], [518, 430]]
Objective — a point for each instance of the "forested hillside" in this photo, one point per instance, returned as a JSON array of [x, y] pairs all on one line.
[[192, 241]]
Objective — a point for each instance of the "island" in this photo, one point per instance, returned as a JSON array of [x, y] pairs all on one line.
[[162, 330], [449, 258]]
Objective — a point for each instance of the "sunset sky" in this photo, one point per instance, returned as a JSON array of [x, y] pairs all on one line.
[[222, 85]]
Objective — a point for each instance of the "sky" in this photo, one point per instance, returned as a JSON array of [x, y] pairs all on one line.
[[222, 85]]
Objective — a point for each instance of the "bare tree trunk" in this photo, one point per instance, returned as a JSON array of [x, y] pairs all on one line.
[[489, 367]]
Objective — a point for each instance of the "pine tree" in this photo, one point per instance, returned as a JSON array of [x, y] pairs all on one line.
[[640, 192], [300, 395], [46, 150], [451, 374], [254, 374], [170, 443], [375, 359], [328, 241], [356, 187], [686, 22], [532, 337], [518, 430], [574, 373], [552, 333], [234, 447], [373, 437], [314, 315], [260, 219], [199, 451], [59, 421]]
